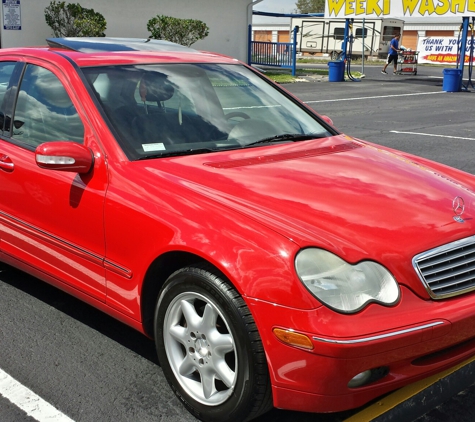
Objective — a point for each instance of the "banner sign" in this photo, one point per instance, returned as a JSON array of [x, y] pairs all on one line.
[[11, 14], [398, 8], [441, 50]]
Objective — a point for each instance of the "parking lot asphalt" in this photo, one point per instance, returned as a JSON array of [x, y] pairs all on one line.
[[410, 113]]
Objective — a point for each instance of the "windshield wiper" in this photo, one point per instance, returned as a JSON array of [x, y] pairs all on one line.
[[189, 151], [294, 137], [177, 153]]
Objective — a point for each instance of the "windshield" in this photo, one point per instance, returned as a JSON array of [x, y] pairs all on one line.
[[178, 109]]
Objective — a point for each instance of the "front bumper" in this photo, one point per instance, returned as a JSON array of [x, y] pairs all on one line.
[[414, 339]]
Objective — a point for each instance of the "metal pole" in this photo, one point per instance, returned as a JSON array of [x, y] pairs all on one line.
[[294, 51], [463, 47], [470, 64], [362, 48], [249, 44], [345, 40]]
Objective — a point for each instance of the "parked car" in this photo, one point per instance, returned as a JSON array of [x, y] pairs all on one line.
[[274, 260]]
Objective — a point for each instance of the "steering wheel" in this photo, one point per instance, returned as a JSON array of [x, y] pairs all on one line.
[[234, 114]]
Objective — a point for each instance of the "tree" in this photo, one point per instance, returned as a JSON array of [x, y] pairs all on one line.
[[310, 6], [73, 20], [180, 31]]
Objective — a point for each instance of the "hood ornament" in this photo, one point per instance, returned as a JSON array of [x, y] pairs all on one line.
[[458, 205]]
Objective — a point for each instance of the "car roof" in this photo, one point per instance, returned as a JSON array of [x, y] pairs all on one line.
[[96, 51], [94, 44]]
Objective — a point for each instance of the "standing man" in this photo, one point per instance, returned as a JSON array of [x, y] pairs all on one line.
[[392, 54]]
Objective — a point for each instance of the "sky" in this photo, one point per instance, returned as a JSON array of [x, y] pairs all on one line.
[[276, 6]]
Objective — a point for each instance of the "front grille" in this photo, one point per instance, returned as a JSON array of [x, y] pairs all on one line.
[[448, 270]]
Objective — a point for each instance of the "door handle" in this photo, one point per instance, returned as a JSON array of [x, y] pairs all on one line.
[[6, 164]]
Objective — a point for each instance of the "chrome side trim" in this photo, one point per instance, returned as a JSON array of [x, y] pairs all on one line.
[[26, 227], [70, 247], [116, 268], [382, 336]]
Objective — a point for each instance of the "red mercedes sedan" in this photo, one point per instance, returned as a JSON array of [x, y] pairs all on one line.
[[274, 260]]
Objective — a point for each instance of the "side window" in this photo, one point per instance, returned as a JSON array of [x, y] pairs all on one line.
[[389, 32], [44, 111], [6, 71], [339, 34]]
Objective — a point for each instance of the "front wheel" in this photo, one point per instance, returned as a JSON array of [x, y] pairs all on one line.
[[209, 347]]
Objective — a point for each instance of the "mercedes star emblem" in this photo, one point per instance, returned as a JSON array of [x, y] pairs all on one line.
[[458, 205]]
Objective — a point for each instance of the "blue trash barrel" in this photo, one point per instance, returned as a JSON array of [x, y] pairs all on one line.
[[452, 81], [336, 71]]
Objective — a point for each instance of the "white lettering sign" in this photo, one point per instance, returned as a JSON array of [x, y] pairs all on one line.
[[441, 50], [11, 14], [398, 8]]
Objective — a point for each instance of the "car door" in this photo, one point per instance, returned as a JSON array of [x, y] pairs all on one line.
[[50, 220]]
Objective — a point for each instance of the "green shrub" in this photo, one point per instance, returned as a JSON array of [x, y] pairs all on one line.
[[310, 6], [181, 31], [73, 20]]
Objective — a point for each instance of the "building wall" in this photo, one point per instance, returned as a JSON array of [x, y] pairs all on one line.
[[283, 36], [263, 36], [439, 33], [409, 39], [436, 27], [127, 18]]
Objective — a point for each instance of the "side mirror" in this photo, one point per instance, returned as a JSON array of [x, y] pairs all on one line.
[[64, 156], [327, 119]]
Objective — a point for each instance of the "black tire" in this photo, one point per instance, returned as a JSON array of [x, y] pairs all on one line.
[[203, 329]]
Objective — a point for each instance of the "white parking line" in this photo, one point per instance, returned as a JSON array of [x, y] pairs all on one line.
[[377, 96], [28, 401], [431, 134]]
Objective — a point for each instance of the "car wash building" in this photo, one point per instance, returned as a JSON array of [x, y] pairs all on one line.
[[24, 24]]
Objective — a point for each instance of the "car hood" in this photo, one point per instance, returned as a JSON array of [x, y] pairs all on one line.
[[354, 198]]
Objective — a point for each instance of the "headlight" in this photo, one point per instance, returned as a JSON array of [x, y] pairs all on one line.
[[342, 286]]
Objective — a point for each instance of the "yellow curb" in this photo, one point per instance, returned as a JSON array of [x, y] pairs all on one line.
[[391, 401]]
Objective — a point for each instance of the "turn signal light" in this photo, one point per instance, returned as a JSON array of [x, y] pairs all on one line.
[[292, 338]]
